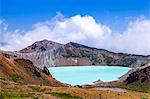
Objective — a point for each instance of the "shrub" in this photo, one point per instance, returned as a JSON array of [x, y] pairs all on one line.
[[15, 78], [144, 97], [64, 95], [7, 95], [35, 88]]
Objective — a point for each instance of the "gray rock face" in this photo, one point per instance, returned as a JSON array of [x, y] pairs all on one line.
[[41, 46], [55, 54]]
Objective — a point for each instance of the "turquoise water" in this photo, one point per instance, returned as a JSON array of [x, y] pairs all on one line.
[[78, 75]]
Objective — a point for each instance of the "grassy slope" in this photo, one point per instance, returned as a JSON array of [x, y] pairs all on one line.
[[136, 86], [17, 90]]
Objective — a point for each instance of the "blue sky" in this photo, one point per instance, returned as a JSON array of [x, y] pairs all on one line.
[[116, 25], [23, 13]]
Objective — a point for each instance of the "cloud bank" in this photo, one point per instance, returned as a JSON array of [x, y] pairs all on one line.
[[82, 29]]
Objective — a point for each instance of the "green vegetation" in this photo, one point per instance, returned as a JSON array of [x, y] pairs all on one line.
[[108, 59], [35, 97], [64, 95], [144, 97], [7, 95], [85, 53], [15, 78], [95, 59], [136, 87], [35, 88], [127, 61], [2, 78]]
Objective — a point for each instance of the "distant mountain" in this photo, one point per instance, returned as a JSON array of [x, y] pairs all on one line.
[[80, 54], [48, 53], [40, 46]]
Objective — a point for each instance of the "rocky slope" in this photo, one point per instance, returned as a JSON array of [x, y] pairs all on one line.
[[77, 54], [140, 74], [41, 46], [55, 54], [137, 79], [23, 71]]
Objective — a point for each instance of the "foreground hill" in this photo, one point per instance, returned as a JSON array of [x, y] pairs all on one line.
[[23, 71]]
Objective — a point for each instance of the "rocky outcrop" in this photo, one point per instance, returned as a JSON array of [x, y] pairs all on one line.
[[140, 74], [46, 71], [137, 79]]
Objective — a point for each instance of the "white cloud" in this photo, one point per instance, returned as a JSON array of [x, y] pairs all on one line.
[[85, 30], [135, 39]]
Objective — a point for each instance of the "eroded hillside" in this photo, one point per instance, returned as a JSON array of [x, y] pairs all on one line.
[[23, 71]]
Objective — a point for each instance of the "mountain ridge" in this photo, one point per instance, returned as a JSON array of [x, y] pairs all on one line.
[[42, 45], [77, 54]]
